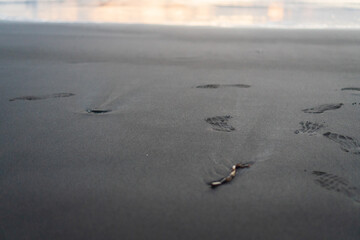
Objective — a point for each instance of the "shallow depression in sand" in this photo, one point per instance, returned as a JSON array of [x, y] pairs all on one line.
[[98, 111]]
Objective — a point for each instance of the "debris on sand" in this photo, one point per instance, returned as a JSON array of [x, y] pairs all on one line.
[[230, 176]]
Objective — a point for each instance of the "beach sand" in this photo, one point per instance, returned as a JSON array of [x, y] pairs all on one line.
[[108, 132]]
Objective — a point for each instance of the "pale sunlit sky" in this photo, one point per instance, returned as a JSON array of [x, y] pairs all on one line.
[[223, 13]]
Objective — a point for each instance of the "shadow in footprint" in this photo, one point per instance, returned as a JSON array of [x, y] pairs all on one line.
[[309, 128], [98, 111], [347, 144], [338, 184], [350, 89], [220, 123], [323, 108], [41, 97], [223, 85]]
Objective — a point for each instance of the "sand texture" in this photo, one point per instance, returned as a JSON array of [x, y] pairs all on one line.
[[116, 131]]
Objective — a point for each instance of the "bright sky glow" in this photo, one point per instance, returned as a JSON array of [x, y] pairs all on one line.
[[225, 13]]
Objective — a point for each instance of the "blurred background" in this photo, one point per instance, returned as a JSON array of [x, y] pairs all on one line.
[[224, 13]]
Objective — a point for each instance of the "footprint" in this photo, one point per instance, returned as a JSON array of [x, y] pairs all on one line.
[[309, 128], [220, 123], [335, 183], [31, 98], [223, 85], [353, 91], [350, 89], [347, 144], [98, 111], [323, 108]]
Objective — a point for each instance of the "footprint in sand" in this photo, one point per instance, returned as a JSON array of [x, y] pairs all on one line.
[[98, 111], [220, 123], [309, 128], [347, 144], [350, 89], [335, 183], [353, 90], [223, 85], [323, 108], [41, 97]]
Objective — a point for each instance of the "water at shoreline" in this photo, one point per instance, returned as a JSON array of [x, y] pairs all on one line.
[[282, 13]]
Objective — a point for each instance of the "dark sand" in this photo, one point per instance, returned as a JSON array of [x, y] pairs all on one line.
[[140, 171]]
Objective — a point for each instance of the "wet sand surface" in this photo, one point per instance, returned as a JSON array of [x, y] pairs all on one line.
[[111, 137]]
